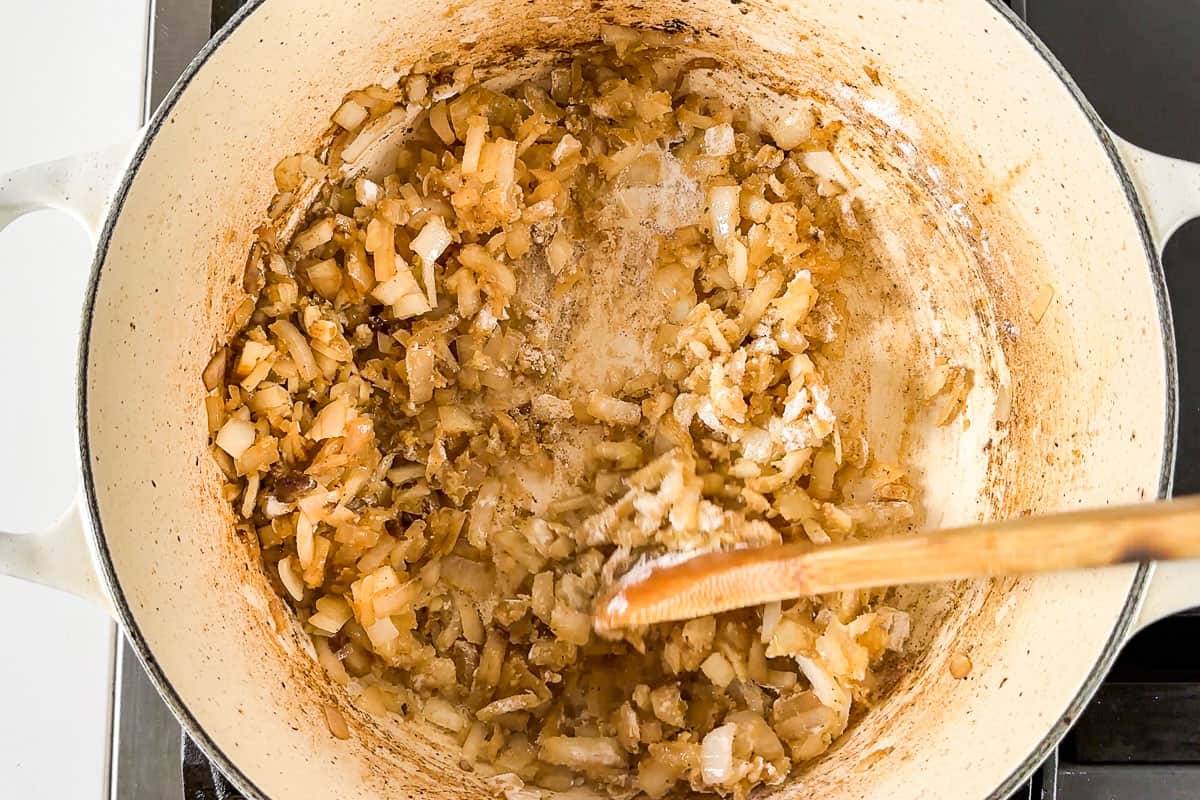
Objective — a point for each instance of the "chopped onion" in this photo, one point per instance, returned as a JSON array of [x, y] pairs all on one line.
[[383, 633], [621, 159], [381, 244], [298, 347], [792, 128], [429, 278], [390, 291], [440, 121], [252, 353], [723, 213], [716, 755], [570, 625], [770, 619], [455, 420], [287, 174], [372, 132], [418, 365], [898, 627], [781, 679], [395, 599], [403, 474], [326, 278], [441, 713], [613, 411], [737, 263], [547, 408], [480, 525], [366, 192], [496, 276], [619, 37], [235, 437], [269, 397], [330, 421], [718, 670], [250, 494], [579, 752], [560, 252], [350, 115], [824, 165], [313, 505], [410, 305], [468, 616], [312, 166], [276, 507], [332, 614], [566, 147], [317, 234], [718, 140], [1042, 302], [304, 540], [466, 290], [215, 371], [507, 705], [763, 741], [373, 700], [825, 685], [361, 273], [336, 723], [506, 160], [329, 660], [542, 596], [291, 578], [473, 144], [433, 240], [691, 118], [823, 473], [258, 374]]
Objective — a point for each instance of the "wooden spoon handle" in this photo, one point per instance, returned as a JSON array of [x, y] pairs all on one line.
[[721, 581]]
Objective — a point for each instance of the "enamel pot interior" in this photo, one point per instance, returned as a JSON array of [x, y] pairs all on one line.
[[986, 183]]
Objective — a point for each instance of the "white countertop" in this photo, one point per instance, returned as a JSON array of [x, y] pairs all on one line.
[[73, 77]]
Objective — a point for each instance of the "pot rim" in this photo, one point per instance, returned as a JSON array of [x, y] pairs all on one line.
[[226, 764]]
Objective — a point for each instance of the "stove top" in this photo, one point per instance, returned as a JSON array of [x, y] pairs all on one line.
[[1140, 737]]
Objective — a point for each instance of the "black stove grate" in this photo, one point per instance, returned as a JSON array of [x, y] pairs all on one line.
[[1140, 736]]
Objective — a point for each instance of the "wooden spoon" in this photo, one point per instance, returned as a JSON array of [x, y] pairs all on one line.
[[673, 588]]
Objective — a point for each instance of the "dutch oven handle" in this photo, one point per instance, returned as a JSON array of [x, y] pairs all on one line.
[[81, 185], [1170, 193]]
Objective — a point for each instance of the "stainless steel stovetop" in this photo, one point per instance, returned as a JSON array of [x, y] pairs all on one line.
[[1140, 737]]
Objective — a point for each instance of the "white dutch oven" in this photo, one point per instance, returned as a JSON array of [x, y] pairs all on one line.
[[990, 179]]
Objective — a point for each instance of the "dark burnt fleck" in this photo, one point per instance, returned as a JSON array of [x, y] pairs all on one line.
[[291, 485], [380, 325], [676, 25], [1140, 553]]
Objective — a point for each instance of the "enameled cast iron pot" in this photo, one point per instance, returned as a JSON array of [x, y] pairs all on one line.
[[992, 186]]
